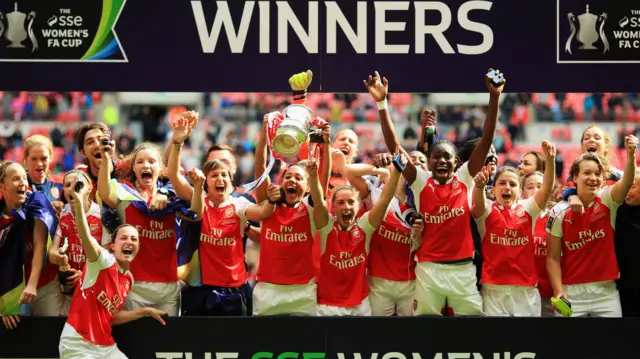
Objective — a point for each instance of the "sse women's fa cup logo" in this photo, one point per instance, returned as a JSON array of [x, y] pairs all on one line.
[[19, 26], [589, 31]]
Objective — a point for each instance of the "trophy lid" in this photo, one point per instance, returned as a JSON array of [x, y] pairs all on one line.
[[299, 112]]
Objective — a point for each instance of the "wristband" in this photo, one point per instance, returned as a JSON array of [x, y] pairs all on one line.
[[382, 105], [179, 144]]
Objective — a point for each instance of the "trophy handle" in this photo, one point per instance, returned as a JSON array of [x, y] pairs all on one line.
[[603, 36], [32, 36], [1, 24], [572, 29]]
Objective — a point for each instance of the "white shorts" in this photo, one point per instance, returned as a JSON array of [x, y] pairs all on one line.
[[389, 297], [450, 284], [278, 299], [50, 301], [599, 299], [511, 301], [162, 296], [73, 346], [361, 310], [547, 308]]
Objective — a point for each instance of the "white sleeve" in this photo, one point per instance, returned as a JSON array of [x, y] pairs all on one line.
[[241, 204], [608, 201], [481, 221], [367, 228], [465, 177], [419, 184], [531, 206], [310, 210], [59, 232], [104, 261], [556, 217], [324, 233]]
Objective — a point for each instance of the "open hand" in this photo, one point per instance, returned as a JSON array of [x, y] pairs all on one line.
[[377, 86]]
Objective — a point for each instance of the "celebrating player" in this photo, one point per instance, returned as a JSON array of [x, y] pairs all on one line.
[[67, 231], [157, 278], [531, 184], [100, 296], [445, 272], [391, 266], [36, 157], [581, 258], [26, 220], [344, 246], [509, 275], [286, 274]]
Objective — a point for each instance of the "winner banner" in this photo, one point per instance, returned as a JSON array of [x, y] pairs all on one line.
[[254, 46], [60, 31]]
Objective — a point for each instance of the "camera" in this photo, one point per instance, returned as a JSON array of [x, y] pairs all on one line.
[[397, 163], [79, 184], [106, 141], [497, 78], [316, 137]]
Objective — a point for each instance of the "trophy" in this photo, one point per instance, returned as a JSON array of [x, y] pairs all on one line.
[[589, 31], [16, 32], [293, 131]]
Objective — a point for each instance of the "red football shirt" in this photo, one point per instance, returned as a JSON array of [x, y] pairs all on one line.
[[588, 253], [100, 296], [67, 229], [343, 263]]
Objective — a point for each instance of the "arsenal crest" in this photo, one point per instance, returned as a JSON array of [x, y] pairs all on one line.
[[355, 232], [228, 213]]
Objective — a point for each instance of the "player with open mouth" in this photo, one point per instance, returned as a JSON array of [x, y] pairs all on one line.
[[509, 275], [26, 220], [594, 140], [100, 296], [215, 240], [345, 240], [445, 273], [155, 270]]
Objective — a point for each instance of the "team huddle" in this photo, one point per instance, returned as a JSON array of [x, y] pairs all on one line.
[[432, 231]]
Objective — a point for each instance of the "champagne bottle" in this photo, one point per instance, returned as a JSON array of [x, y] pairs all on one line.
[[64, 272]]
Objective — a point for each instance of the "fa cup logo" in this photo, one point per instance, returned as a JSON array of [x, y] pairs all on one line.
[[16, 32], [589, 32]]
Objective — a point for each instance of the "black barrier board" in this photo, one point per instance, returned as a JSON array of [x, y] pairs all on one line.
[[348, 338], [249, 46]]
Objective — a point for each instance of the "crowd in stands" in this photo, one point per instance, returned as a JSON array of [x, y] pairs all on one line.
[[459, 123]]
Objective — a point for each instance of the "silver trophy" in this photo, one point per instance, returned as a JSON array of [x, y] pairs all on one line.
[[16, 31], [589, 32], [293, 131]]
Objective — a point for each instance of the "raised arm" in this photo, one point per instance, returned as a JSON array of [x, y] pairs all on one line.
[[377, 213], [427, 119], [197, 201], [325, 170], [479, 155], [320, 209], [107, 195], [621, 188], [549, 180], [354, 174], [479, 194], [181, 131], [264, 210], [261, 162], [91, 246], [379, 88]]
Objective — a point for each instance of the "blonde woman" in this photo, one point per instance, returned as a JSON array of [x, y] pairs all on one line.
[[36, 157]]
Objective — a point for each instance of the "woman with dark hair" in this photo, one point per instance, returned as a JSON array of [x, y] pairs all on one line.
[[531, 161], [101, 294], [581, 258]]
